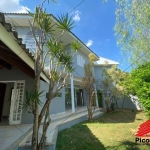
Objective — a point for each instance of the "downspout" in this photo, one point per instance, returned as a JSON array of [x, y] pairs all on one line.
[[8, 39]]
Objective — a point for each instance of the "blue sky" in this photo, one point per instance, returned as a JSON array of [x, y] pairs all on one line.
[[94, 22]]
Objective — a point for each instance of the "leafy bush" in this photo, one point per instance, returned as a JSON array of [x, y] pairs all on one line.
[[138, 83]]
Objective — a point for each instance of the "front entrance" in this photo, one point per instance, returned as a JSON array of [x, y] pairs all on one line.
[[11, 109], [79, 97]]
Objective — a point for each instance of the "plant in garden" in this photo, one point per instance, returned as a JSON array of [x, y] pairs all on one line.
[[88, 84], [48, 47], [138, 83], [111, 85]]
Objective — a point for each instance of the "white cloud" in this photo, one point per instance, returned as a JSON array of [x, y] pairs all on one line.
[[89, 43], [77, 16], [13, 6]]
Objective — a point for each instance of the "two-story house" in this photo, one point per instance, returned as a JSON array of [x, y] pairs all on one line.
[[17, 70]]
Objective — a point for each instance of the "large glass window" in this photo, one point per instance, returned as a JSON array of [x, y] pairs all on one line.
[[29, 41], [80, 60]]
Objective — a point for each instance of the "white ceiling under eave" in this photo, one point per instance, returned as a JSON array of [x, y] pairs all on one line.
[[10, 41], [102, 61]]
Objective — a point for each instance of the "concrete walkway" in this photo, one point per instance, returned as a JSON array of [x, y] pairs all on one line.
[[11, 135], [60, 122], [18, 137]]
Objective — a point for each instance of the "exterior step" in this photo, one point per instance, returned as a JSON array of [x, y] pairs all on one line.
[[62, 116]]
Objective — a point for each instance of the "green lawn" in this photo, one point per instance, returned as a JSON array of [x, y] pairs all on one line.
[[113, 131]]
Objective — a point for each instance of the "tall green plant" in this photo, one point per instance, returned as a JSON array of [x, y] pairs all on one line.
[[88, 84], [111, 85], [60, 66], [138, 83]]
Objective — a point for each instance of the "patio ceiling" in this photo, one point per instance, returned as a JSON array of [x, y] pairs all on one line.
[[9, 59], [13, 52]]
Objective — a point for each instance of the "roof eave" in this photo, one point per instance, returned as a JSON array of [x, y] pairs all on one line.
[[11, 40]]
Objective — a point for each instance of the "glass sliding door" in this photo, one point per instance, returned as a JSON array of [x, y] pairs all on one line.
[[79, 100]]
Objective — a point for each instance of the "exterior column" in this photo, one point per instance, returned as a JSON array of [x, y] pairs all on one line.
[[72, 94]]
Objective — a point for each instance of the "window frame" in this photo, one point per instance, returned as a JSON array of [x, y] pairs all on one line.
[[80, 60]]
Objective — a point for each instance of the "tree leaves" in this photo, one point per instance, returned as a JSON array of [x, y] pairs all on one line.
[[32, 98], [138, 83], [112, 81], [88, 79], [76, 45], [92, 57], [65, 23], [133, 28], [59, 52]]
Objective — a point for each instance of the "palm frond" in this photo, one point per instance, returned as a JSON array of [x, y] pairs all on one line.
[[32, 97], [43, 20], [65, 23], [76, 45], [54, 75]]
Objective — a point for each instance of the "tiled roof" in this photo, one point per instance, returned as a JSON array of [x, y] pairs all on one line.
[[9, 13], [8, 27]]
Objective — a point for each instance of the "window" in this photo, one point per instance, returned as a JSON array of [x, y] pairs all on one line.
[[59, 95], [29, 41], [80, 60]]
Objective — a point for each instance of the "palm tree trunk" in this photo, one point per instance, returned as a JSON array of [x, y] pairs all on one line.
[[36, 115], [45, 127]]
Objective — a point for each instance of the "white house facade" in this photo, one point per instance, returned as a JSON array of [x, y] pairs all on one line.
[[17, 71]]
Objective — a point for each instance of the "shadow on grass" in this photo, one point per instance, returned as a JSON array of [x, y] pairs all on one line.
[[120, 116], [78, 137], [125, 145], [96, 136]]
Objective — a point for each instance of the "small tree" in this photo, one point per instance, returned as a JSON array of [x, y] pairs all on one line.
[[88, 84], [60, 66], [111, 85]]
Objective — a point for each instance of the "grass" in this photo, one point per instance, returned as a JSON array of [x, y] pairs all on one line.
[[112, 131]]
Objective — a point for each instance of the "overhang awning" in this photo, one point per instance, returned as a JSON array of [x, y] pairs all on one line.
[[11, 43]]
